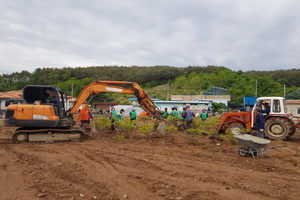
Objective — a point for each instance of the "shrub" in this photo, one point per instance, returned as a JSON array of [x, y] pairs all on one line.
[[102, 123], [146, 129], [125, 126], [171, 129], [208, 126]]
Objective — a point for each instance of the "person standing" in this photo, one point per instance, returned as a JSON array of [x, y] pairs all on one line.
[[113, 114], [188, 115], [204, 115], [259, 123], [85, 117], [175, 113], [113, 118], [120, 115], [107, 113], [182, 113], [165, 114], [132, 115]]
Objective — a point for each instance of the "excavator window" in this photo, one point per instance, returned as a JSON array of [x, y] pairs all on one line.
[[31, 94], [44, 98], [52, 97], [47, 95]]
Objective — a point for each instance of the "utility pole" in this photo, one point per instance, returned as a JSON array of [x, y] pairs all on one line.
[[72, 89], [256, 88], [284, 90], [168, 90]]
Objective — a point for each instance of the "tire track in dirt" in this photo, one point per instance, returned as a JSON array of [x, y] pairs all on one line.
[[215, 179], [110, 169], [158, 176], [56, 174], [91, 169], [99, 167], [248, 180], [14, 176]]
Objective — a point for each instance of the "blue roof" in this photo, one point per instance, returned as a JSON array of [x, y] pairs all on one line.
[[135, 99], [174, 102], [184, 102]]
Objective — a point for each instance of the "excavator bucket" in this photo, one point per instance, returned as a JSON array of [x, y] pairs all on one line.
[[89, 128]]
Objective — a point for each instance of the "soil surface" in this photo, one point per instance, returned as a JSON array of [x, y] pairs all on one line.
[[174, 166]]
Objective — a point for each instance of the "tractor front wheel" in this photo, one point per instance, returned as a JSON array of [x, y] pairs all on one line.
[[237, 128]]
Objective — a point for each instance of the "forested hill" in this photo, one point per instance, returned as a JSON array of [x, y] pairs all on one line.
[[286, 77], [188, 80]]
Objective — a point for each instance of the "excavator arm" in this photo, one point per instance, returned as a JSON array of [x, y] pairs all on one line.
[[111, 86]]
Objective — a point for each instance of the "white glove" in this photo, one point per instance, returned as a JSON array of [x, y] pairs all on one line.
[[261, 130]]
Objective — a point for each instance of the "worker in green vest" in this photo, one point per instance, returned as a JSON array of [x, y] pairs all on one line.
[[165, 114], [204, 115], [174, 112], [113, 117], [120, 115], [132, 115]]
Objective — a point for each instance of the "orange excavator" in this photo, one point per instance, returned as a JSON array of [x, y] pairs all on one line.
[[44, 116]]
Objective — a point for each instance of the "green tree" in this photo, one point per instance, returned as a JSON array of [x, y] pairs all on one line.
[[218, 107], [123, 101]]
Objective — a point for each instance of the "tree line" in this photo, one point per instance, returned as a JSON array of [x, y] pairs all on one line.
[[191, 80]]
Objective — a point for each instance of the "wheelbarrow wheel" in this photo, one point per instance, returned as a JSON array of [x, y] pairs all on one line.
[[244, 152]]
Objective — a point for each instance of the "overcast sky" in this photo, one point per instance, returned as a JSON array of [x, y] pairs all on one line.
[[237, 34]]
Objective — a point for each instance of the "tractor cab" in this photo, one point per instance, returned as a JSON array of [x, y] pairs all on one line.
[[270, 106]]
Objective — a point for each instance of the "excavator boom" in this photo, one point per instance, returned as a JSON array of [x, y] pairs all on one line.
[[111, 86]]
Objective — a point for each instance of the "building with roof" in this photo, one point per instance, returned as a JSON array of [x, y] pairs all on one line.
[[213, 94], [213, 98], [10, 97], [135, 101], [293, 95], [196, 106], [128, 108]]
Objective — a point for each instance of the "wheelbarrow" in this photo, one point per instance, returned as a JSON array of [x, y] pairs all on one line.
[[253, 145]]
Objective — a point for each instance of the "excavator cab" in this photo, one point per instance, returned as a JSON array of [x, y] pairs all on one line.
[[45, 95], [43, 106]]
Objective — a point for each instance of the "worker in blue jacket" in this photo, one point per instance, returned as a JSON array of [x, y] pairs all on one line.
[[188, 115], [259, 123]]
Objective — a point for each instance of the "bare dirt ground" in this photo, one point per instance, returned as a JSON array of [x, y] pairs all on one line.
[[175, 166]]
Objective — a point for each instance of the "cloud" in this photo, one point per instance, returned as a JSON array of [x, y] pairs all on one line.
[[240, 35]]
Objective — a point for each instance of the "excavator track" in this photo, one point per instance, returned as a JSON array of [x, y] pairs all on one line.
[[47, 135]]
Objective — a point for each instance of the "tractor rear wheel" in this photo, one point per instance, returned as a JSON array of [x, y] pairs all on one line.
[[278, 128], [237, 128]]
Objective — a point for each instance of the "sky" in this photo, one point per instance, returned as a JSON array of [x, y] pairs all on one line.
[[237, 34]]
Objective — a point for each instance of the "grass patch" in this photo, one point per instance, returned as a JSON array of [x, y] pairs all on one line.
[[147, 128]]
